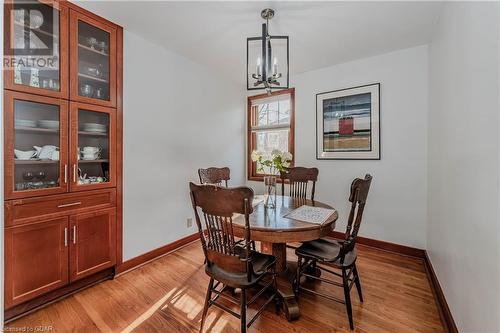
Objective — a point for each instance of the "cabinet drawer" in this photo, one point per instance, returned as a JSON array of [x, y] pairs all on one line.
[[31, 209]]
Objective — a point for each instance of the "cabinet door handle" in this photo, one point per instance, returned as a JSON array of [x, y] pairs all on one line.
[[74, 173], [65, 237], [74, 234], [70, 204], [65, 173]]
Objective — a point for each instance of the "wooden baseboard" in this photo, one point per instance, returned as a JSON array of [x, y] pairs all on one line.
[[442, 305], [153, 254], [386, 246], [444, 310]]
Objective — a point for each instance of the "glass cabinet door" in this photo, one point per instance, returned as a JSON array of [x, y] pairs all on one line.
[[36, 145], [92, 146], [36, 54], [93, 63]]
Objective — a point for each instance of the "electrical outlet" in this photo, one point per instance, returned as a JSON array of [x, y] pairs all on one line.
[[189, 222]]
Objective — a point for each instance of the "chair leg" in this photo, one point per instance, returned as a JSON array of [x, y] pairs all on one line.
[[358, 283], [207, 303], [243, 304], [347, 295], [297, 277]]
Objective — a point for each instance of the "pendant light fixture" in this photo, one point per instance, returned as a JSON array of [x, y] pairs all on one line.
[[267, 58]]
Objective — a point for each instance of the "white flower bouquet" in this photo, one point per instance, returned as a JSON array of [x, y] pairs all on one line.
[[277, 161]]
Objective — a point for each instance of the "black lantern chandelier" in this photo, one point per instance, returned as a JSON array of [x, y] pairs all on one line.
[[267, 59]]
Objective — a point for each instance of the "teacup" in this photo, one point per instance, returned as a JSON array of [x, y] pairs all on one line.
[[91, 156], [91, 150]]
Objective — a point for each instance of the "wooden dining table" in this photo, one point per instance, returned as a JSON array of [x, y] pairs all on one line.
[[273, 230]]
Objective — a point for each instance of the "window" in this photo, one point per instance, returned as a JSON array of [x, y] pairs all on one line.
[[270, 125]]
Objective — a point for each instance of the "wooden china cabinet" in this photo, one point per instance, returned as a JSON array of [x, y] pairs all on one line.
[[63, 151]]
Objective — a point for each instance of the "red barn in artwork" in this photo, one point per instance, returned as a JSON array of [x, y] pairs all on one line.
[[346, 126]]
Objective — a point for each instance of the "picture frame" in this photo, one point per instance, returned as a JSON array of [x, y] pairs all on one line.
[[348, 123]]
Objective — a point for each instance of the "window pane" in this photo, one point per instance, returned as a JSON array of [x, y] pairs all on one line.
[[273, 113], [284, 116], [270, 140]]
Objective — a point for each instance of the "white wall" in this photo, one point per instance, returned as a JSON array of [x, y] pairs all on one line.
[[463, 222], [178, 117], [397, 208]]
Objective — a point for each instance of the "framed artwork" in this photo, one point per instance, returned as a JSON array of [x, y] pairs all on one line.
[[348, 124]]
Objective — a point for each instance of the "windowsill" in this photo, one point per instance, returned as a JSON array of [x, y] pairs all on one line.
[[260, 178]]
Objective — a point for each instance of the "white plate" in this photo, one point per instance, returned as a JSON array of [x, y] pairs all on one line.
[[25, 123], [50, 124], [94, 125], [94, 128]]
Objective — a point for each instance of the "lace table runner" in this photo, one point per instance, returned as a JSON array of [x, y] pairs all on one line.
[[310, 214]]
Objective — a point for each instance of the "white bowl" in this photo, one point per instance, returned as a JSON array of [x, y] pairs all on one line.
[[24, 155]]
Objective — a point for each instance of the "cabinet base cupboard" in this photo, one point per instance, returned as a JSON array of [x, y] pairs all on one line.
[[62, 152]]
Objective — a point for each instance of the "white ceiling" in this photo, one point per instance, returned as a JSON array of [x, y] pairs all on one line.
[[321, 33]]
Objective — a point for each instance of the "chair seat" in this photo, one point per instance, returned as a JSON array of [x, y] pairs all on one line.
[[261, 264], [327, 251]]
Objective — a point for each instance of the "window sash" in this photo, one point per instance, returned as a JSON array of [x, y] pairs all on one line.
[[270, 128]]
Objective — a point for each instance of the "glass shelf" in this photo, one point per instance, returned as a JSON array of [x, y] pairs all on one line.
[[36, 130], [30, 162], [84, 47]]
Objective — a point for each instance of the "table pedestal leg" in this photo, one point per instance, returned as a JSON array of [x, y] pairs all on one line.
[[285, 278]]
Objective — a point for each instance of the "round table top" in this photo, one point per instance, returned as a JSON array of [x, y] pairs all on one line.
[[271, 225]]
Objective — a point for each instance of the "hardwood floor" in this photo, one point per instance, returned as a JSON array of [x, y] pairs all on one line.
[[167, 295]]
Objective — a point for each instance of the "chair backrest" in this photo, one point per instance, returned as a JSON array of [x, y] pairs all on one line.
[[298, 179], [218, 205], [359, 193], [214, 176]]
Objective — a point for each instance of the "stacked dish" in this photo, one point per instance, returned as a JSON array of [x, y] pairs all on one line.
[[24, 123], [49, 124], [94, 127]]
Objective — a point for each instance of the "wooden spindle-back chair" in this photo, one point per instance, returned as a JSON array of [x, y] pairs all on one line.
[[336, 254], [298, 181], [214, 176], [230, 262]]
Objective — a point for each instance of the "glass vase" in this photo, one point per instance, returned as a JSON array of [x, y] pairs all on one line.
[[270, 192]]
